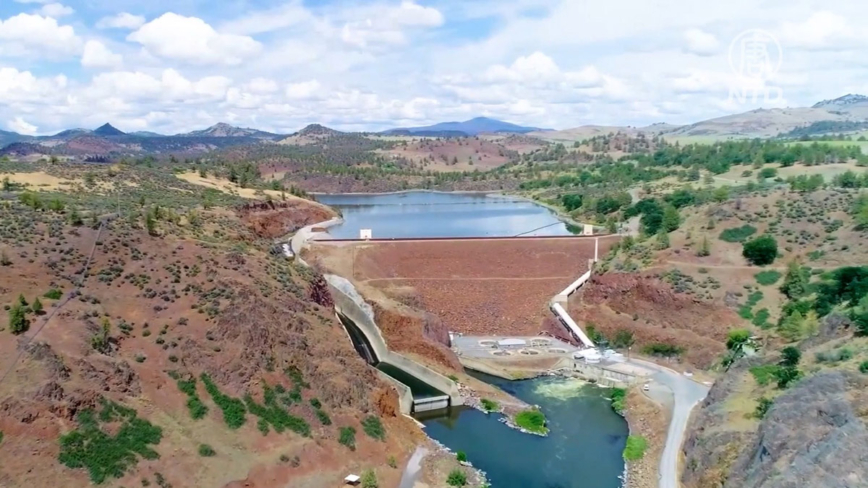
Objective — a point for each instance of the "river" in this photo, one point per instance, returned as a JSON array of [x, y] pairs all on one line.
[[586, 439], [432, 214]]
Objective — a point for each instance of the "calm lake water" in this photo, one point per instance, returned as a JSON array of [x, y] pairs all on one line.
[[430, 214], [583, 449]]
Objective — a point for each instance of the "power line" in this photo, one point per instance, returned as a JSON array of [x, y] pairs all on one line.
[[538, 228]]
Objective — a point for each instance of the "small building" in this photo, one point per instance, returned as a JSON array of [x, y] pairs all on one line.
[[591, 356], [365, 234], [352, 479]]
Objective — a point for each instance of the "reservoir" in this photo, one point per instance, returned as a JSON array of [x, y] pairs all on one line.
[[431, 214], [583, 449]]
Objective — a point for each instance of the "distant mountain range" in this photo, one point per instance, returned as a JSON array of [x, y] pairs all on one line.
[[472, 127], [844, 114]]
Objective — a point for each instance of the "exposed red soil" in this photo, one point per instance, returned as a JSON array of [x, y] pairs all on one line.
[[482, 287], [611, 302], [157, 293], [276, 219], [454, 154]]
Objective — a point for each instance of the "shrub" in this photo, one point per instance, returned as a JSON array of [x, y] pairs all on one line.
[[764, 374], [456, 478], [105, 455], [618, 397], [206, 451], [369, 479], [348, 437], [662, 349], [761, 251], [53, 294], [738, 234], [787, 375], [18, 323], [790, 356], [374, 428], [393, 463], [863, 368], [532, 420], [489, 405], [762, 407], [767, 278], [461, 456], [323, 417], [635, 448], [737, 338], [234, 412]]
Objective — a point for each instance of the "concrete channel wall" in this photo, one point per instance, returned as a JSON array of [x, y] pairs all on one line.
[[603, 375], [352, 310]]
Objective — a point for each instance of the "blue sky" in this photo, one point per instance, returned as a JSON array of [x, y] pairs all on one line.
[[180, 65]]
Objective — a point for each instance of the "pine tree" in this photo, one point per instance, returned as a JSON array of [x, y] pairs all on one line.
[[792, 326], [671, 218], [37, 306], [18, 322], [796, 281], [662, 240]]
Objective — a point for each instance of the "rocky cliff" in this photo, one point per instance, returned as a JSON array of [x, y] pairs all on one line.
[[813, 436]]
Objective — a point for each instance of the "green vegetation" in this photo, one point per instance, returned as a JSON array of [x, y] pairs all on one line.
[[618, 397], [762, 407], [347, 437], [105, 455], [461, 456], [206, 451], [197, 409], [489, 405], [795, 284], [456, 478], [374, 428], [392, 462], [662, 349], [635, 448], [761, 251], [532, 420], [738, 234], [274, 415], [18, 322], [863, 368], [764, 374], [234, 411], [369, 479], [53, 294], [767, 278]]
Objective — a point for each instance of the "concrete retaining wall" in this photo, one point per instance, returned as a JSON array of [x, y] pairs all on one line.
[[602, 374], [405, 396], [353, 311], [429, 404]]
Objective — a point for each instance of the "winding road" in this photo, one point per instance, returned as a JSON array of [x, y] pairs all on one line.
[[686, 394]]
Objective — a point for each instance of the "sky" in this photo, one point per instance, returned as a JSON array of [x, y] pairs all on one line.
[[173, 66]]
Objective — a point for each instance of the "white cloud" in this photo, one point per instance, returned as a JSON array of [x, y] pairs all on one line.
[[122, 20], [822, 30], [287, 15], [97, 55], [25, 33], [386, 25], [32, 1], [23, 87], [192, 40], [21, 126], [700, 42], [412, 14], [171, 86], [56, 10], [305, 90]]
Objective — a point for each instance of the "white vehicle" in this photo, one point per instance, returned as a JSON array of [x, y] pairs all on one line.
[[646, 387]]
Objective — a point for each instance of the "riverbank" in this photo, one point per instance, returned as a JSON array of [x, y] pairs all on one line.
[[649, 420]]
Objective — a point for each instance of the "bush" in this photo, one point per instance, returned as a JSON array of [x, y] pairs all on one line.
[[53, 294], [323, 417], [863, 368], [374, 428], [762, 407], [348, 437], [790, 356], [618, 397], [764, 374], [635, 448], [369, 479], [206, 451], [461, 456], [105, 455], [761, 251], [662, 349], [456, 478], [234, 411], [393, 463], [18, 323], [489, 405], [737, 338], [738, 234], [767, 278], [532, 420]]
